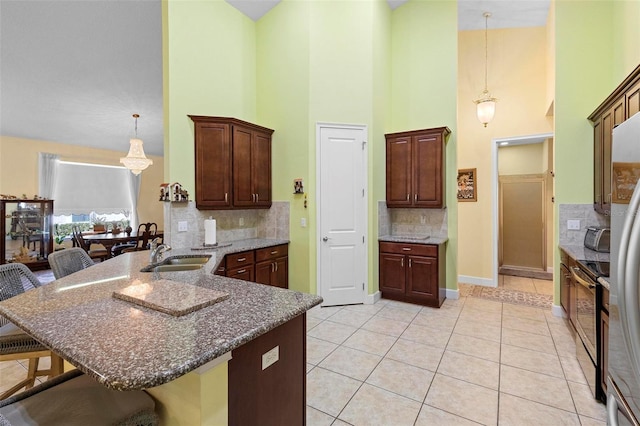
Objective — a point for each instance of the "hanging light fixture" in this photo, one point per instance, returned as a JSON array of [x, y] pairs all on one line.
[[135, 160], [485, 104]]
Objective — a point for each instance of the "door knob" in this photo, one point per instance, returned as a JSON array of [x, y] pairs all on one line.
[[325, 239]]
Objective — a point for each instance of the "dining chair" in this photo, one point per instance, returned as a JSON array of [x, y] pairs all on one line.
[[75, 399], [146, 233], [15, 344], [101, 254], [66, 262]]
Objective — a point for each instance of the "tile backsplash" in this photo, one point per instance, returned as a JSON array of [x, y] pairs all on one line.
[[587, 217], [412, 222], [263, 223]]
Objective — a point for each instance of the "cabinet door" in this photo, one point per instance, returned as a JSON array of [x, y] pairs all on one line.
[[422, 278], [264, 272], [399, 172], [261, 169], [213, 165], [281, 274], [565, 283], [427, 170], [392, 273], [243, 194], [633, 100], [245, 273], [604, 349]]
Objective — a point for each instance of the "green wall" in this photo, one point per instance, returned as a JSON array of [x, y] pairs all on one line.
[[626, 38]]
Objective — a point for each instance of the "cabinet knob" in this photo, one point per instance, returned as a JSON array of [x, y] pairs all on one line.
[[415, 197], [325, 239], [407, 197], [406, 249]]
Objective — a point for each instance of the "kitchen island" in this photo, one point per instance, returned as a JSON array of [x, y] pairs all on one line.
[[183, 361]]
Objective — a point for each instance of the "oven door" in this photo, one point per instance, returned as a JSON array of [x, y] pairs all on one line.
[[585, 310]]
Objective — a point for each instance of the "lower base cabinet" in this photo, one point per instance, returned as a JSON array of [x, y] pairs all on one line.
[[268, 266], [267, 392], [413, 273]]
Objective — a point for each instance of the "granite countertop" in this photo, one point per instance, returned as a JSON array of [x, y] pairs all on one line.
[[580, 252], [413, 239], [125, 346]]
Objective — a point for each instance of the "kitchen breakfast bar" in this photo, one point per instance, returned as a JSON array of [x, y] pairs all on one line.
[[237, 360]]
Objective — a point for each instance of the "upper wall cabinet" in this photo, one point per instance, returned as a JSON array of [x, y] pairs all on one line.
[[232, 164], [416, 168], [620, 105]]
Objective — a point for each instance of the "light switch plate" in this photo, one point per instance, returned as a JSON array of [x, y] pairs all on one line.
[[270, 358], [573, 224], [183, 226], [241, 221], [303, 222]]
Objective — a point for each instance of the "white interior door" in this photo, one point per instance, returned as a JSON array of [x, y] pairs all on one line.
[[342, 218]]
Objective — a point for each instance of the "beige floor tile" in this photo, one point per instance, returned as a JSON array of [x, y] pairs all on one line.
[[386, 326], [565, 347], [482, 305], [431, 416], [516, 411], [368, 341], [480, 348], [572, 370], [403, 379], [523, 324], [525, 285], [427, 335], [463, 399], [351, 362], [397, 314], [390, 409], [470, 369], [526, 340], [329, 392], [11, 372], [431, 319], [416, 354], [339, 422], [478, 329], [561, 332], [538, 362], [323, 313], [452, 308], [410, 307], [526, 312], [317, 350], [312, 322], [586, 404], [485, 317], [350, 317], [366, 309], [551, 318], [543, 287], [588, 421], [318, 418], [536, 387], [332, 332]]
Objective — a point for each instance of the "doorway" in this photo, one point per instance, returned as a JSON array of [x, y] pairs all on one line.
[[342, 213], [523, 207]]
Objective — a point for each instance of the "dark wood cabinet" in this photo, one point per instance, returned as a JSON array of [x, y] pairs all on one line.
[[604, 340], [565, 289], [272, 266], [264, 393], [232, 163], [620, 105], [413, 273], [415, 166]]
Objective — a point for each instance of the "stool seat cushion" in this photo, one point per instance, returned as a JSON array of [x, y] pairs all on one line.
[[78, 401], [14, 340]]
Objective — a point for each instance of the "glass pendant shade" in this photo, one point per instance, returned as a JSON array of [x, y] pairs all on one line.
[[485, 108], [135, 160]]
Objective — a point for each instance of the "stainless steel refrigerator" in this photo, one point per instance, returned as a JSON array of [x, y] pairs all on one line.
[[623, 390]]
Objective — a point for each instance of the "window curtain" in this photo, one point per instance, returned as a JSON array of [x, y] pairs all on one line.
[[48, 173], [134, 189]]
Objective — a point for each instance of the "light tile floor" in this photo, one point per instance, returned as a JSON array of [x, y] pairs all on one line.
[[528, 285], [473, 361]]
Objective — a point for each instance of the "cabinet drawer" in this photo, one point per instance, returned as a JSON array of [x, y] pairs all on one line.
[[240, 259], [272, 252], [414, 249]]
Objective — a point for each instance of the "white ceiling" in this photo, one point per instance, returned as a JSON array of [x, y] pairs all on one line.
[[75, 71]]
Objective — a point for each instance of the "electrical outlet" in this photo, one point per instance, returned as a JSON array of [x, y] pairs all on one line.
[[573, 224], [303, 222], [271, 357], [183, 226], [241, 221]]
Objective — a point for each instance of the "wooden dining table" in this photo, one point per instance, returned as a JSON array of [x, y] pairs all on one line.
[[108, 240]]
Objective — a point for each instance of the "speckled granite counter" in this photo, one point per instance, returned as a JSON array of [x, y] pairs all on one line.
[[413, 239], [125, 346], [580, 252]]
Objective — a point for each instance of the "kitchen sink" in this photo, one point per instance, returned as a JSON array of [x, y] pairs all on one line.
[[178, 263]]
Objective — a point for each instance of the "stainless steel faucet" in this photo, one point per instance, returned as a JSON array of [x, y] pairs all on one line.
[[157, 250]]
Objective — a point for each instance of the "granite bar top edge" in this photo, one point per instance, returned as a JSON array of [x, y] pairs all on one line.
[[413, 240], [580, 252], [284, 305]]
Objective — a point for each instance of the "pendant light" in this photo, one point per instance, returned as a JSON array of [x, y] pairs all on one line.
[[135, 160], [485, 104]]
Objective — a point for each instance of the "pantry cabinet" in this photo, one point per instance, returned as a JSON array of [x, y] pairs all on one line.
[[232, 163], [621, 104], [415, 167], [412, 273]]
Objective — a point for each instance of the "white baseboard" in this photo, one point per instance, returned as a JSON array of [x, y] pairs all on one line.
[[453, 294], [370, 299], [557, 311], [550, 269], [487, 282]]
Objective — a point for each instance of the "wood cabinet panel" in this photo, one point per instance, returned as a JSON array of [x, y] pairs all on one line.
[[633, 100], [238, 260], [261, 169], [242, 182], [272, 252], [405, 248], [422, 278], [415, 168], [392, 273], [213, 161], [245, 273], [604, 349], [565, 283]]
